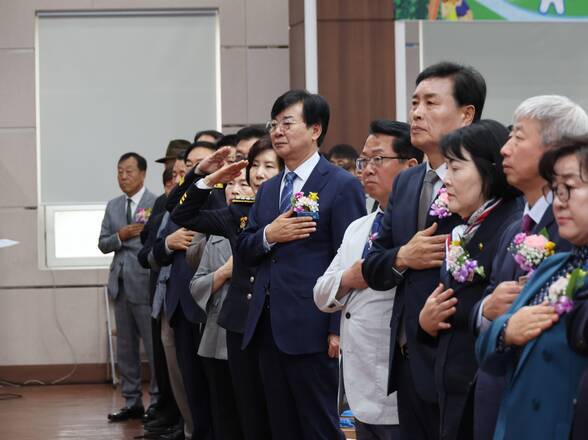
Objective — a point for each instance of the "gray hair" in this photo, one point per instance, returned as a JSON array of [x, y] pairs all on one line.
[[558, 117]]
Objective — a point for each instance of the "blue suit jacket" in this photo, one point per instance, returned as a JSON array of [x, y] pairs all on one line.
[[289, 270], [543, 376], [178, 284], [414, 286]]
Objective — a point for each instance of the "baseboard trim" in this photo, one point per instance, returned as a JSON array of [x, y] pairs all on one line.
[[47, 374]]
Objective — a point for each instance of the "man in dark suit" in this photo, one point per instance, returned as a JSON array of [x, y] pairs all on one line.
[[539, 122], [128, 282], [411, 245], [297, 344]]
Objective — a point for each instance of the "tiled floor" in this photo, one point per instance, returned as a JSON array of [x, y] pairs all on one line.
[[58, 412]]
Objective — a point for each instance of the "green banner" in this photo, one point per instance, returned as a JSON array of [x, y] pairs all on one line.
[[509, 10]]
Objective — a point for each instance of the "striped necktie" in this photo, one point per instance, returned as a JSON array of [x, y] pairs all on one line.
[[286, 198]]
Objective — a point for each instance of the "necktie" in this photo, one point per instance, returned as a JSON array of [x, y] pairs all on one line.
[[129, 212], [425, 198], [527, 224], [376, 225], [286, 198]]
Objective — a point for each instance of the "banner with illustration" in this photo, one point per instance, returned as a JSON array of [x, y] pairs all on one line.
[[509, 10]]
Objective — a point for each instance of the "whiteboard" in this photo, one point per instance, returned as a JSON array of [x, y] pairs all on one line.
[[518, 60], [109, 83]]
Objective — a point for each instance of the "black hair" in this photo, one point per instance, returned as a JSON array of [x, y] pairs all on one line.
[[483, 141], [315, 109], [577, 146], [199, 144], [402, 145], [168, 175], [141, 162], [228, 140], [251, 132], [344, 151], [469, 86], [213, 133], [262, 144]]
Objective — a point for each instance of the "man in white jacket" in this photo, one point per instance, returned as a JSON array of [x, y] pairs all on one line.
[[365, 331]]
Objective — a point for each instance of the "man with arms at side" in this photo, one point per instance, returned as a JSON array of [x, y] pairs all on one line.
[[411, 246], [365, 331], [128, 282], [539, 123], [297, 343]]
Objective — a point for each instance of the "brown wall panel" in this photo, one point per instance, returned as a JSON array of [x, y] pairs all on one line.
[[297, 74], [354, 9], [356, 75]]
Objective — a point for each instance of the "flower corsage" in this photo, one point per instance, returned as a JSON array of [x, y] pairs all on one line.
[[530, 250], [439, 207], [560, 293], [142, 215], [459, 264], [306, 205]]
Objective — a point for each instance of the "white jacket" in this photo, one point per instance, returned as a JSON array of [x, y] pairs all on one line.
[[365, 331]]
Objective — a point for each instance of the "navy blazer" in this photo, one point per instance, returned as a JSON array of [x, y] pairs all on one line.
[[227, 222], [178, 284], [543, 375], [399, 225], [289, 270], [455, 363]]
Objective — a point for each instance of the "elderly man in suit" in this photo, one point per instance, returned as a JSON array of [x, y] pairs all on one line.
[[298, 344], [365, 331], [411, 245], [128, 282], [539, 123]]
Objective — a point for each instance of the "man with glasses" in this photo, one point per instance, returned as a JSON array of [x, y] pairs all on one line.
[[365, 333], [540, 122], [297, 344]]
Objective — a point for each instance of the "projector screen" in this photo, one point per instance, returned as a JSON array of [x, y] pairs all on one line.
[[113, 82]]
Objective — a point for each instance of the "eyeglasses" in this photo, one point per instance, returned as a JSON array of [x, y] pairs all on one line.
[[285, 125], [376, 161], [560, 190]]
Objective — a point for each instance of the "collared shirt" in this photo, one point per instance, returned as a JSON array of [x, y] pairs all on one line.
[[303, 172], [536, 213], [135, 200]]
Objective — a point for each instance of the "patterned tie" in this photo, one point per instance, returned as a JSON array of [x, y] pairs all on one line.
[[286, 198], [376, 225], [426, 198], [129, 212], [527, 224]]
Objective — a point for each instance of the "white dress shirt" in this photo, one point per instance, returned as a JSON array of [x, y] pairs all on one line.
[[365, 330], [135, 201]]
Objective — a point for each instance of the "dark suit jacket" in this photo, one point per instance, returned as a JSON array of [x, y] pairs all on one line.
[[289, 270], [178, 284], [148, 236], [413, 287], [455, 363], [227, 222]]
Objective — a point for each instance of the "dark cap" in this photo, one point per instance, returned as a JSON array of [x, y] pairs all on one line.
[[175, 149]]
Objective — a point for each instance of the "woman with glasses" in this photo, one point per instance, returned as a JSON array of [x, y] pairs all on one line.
[[540, 343], [228, 222], [476, 189]]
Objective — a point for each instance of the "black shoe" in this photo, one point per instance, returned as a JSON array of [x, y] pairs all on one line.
[[176, 435], [160, 423], [126, 413], [149, 415]]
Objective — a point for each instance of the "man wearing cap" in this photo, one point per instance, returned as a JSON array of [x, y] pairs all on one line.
[[175, 149]]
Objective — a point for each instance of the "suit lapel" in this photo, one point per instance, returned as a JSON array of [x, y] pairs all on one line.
[[143, 202], [413, 208], [546, 221], [272, 189], [317, 179], [537, 283]]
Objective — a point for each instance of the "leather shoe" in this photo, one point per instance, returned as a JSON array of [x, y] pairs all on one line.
[[150, 414], [160, 422], [176, 435], [126, 413]]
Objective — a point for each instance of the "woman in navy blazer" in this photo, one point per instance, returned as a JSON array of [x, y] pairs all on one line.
[[528, 344], [476, 190]]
